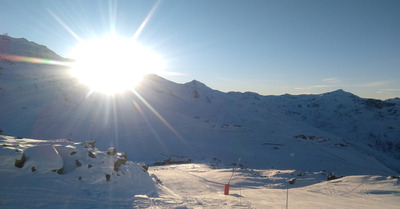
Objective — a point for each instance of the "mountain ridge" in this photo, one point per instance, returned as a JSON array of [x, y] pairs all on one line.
[[23, 47], [163, 119]]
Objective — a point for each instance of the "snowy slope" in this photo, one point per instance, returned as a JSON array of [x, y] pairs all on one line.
[[61, 173], [23, 47], [335, 131], [201, 186], [374, 121]]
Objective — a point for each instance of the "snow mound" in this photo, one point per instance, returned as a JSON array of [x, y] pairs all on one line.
[[42, 173], [42, 159]]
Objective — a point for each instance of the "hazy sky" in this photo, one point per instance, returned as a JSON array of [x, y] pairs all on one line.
[[270, 47]]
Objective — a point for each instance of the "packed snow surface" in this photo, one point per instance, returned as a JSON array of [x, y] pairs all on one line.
[[202, 186], [62, 174]]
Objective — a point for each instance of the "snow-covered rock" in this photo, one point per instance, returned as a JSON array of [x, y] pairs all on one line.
[[56, 169]]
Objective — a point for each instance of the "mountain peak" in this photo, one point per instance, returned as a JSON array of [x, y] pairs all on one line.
[[340, 93], [23, 47], [195, 84], [153, 77]]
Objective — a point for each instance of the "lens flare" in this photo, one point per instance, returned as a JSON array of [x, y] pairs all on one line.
[[16, 58], [113, 64]]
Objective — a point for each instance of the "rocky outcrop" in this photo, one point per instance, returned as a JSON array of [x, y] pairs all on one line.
[[20, 163], [111, 151], [121, 160]]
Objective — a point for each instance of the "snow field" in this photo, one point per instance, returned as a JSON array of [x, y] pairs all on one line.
[[201, 186]]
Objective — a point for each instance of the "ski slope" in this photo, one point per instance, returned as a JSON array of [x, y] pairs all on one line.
[[201, 186], [39, 183]]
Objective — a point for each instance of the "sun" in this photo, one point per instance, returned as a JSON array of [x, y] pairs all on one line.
[[113, 64]]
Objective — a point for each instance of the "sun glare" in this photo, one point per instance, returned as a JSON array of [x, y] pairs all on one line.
[[113, 64]]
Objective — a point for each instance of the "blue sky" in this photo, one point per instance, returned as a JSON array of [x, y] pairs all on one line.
[[271, 47]]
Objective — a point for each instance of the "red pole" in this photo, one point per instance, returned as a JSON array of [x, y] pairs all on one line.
[[226, 192]]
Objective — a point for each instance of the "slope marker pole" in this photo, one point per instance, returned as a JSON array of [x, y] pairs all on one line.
[[226, 191], [287, 196]]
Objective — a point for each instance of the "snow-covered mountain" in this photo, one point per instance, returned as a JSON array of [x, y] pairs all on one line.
[[335, 131], [289, 146]]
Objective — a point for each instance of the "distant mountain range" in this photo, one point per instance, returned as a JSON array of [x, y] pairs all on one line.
[[336, 131]]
